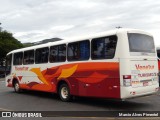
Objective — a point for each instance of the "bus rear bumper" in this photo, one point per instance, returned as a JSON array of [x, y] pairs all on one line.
[[130, 92]]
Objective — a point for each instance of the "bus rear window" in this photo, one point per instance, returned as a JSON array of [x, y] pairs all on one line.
[[141, 43]]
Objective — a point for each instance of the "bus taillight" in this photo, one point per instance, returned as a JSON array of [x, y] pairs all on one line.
[[127, 80]]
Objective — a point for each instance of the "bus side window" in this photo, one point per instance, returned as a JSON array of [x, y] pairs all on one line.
[[18, 58], [73, 51], [41, 55], [28, 57], [62, 53], [53, 53], [98, 49], [84, 50], [104, 47], [79, 50], [57, 53]]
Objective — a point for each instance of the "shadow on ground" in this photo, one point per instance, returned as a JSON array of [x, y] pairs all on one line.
[[107, 104]]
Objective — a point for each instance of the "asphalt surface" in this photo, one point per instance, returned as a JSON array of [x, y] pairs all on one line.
[[40, 101]]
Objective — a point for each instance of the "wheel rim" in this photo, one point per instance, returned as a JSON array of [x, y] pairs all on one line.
[[16, 87], [64, 92]]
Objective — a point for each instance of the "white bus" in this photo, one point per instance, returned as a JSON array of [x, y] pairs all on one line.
[[117, 64]]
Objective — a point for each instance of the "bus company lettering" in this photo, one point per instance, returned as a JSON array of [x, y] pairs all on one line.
[[145, 67], [21, 68], [147, 74]]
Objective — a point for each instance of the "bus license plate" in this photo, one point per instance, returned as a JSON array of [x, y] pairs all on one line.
[[145, 83]]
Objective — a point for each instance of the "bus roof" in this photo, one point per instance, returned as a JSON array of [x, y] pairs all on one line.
[[101, 34]]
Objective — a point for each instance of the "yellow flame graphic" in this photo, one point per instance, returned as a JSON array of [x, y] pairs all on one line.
[[68, 72], [37, 71]]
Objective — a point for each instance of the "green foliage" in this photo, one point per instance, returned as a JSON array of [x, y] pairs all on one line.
[[7, 44]]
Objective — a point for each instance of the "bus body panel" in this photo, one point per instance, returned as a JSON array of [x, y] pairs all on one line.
[[94, 79], [159, 65]]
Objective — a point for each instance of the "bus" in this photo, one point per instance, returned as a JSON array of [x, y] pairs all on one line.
[[116, 64], [158, 57]]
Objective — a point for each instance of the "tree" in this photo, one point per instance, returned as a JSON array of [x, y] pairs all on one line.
[[7, 44]]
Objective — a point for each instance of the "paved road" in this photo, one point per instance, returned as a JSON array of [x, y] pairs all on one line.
[[1, 79], [39, 101]]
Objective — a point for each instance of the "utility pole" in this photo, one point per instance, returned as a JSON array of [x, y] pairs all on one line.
[[0, 27], [118, 27]]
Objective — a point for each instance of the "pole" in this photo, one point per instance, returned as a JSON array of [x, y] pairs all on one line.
[[0, 27]]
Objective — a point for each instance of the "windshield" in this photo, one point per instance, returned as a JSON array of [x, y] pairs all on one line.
[[141, 43], [158, 53], [8, 64]]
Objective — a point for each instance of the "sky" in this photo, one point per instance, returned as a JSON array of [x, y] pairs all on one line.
[[35, 20]]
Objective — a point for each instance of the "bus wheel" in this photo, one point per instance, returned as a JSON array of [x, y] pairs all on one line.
[[17, 87], [64, 93]]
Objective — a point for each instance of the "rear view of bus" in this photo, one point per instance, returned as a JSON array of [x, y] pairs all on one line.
[[138, 66]]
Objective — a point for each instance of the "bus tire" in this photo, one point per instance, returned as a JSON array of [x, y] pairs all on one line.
[[16, 87], [64, 93]]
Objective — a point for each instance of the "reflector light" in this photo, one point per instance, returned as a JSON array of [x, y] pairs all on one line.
[[126, 76], [133, 93], [127, 80]]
